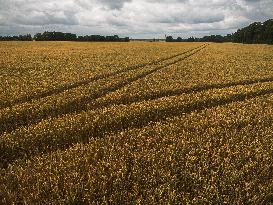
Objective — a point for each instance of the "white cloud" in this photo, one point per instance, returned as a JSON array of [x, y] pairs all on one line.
[[136, 18]]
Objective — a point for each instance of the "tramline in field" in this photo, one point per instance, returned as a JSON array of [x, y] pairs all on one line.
[[119, 123]]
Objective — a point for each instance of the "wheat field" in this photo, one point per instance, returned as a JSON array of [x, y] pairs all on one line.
[[136, 123]]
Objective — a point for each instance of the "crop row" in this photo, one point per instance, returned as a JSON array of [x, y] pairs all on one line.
[[76, 100], [156, 128], [218, 155], [72, 85], [217, 66], [28, 69], [62, 132], [116, 99]]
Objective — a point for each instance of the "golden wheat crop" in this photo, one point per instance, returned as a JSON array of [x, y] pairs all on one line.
[[136, 123]]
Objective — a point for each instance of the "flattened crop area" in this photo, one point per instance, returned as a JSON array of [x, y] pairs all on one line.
[[136, 123]]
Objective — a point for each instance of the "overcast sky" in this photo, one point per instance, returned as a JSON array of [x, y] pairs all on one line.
[[134, 18]]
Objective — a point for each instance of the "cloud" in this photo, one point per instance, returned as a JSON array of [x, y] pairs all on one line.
[[135, 18], [118, 4], [110, 4]]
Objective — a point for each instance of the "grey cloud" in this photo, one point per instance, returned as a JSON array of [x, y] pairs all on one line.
[[110, 4], [252, 1], [136, 18], [38, 12], [45, 18], [117, 4]]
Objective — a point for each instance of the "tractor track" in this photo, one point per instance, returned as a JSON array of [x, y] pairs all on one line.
[[9, 123], [176, 92], [69, 86], [139, 120]]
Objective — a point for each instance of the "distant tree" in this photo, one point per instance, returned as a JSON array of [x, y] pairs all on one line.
[[191, 39], [179, 39], [169, 39], [100, 38], [228, 38], [268, 31], [255, 33], [16, 38], [38, 37], [60, 36]]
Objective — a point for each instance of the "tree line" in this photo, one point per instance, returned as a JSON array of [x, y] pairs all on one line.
[[254, 33], [60, 36], [212, 38], [16, 38]]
